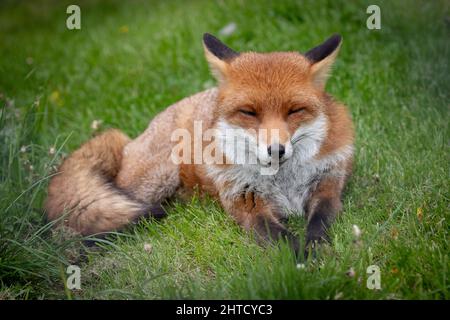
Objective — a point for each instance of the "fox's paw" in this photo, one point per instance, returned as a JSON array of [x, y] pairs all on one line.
[[252, 203], [315, 239]]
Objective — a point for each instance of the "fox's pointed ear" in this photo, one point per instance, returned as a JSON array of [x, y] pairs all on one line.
[[322, 58], [218, 55]]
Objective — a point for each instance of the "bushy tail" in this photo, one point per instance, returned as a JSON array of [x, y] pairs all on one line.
[[83, 189]]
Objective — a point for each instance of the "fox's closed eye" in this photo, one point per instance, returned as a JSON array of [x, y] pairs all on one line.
[[248, 112], [296, 110]]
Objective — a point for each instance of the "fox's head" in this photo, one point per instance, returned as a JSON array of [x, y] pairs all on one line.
[[275, 100]]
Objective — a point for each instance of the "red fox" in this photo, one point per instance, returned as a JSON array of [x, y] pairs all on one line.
[[112, 180]]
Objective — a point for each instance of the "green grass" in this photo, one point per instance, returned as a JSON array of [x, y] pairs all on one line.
[[130, 61]]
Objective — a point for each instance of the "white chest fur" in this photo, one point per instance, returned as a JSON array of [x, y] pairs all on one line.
[[290, 187]]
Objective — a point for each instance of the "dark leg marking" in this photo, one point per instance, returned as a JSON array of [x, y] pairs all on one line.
[[271, 229], [322, 217]]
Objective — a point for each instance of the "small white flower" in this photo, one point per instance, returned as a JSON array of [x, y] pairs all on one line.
[[300, 266], [23, 149], [52, 151], [96, 124], [148, 247], [31, 167], [356, 231], [351, 272], [228, 29], [338, 296]]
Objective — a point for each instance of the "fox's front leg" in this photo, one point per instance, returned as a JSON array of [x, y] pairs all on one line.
[[322, 208], [256, 214]]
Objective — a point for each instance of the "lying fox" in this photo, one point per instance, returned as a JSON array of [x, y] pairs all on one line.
[[112, 180]]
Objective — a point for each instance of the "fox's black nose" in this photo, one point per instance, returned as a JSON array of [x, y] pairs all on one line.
[[276, 148]]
